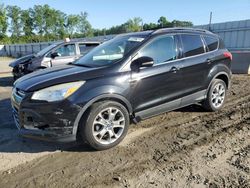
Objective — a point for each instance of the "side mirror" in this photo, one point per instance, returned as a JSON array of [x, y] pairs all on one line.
[[54, 55], [141, 62]]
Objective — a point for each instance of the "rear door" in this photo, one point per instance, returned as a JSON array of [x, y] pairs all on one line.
[[67, 54], [194, 63], [212, 44]]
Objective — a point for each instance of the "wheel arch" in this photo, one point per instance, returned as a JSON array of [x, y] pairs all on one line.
[[113, 97], [222, 76]]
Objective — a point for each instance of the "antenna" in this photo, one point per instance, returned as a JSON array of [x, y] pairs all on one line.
[[210, 21]]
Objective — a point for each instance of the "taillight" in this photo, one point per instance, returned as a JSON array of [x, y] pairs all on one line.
[[228, 55]]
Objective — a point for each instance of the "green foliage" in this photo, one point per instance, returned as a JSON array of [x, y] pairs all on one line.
[[27, 22], [84, 27], [44, 23], [14, 13], [133, 25], [72, 21], [3, 21], [39, 21]]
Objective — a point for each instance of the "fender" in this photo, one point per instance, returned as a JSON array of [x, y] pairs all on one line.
[[218, 71], [98, 98]]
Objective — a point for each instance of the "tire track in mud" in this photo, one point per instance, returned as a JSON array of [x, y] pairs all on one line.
[[178, 146], [165, 154]]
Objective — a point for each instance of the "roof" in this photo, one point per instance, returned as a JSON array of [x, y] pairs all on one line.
[[168, 30]]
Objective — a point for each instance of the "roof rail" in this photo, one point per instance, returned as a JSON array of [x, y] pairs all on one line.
[[180, 29]]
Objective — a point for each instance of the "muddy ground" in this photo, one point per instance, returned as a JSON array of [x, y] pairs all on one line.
[[185, 148]]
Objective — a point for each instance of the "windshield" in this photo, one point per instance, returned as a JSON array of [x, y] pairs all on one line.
[[45, 50], [110, 52]]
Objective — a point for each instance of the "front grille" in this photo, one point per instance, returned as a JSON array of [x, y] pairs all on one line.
[[17, 96], [20, 93]]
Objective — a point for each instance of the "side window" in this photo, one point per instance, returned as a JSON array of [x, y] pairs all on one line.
[[66, 50], [85, 48], [212, 43], [161, 49], [192, 45]]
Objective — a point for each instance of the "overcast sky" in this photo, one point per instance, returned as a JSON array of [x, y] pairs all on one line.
[[106, 13]]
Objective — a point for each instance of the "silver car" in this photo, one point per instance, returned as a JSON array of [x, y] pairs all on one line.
[[56, 54]]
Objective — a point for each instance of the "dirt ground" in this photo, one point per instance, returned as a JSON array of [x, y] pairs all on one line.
[[184, 148]]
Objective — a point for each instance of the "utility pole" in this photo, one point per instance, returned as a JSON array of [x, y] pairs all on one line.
[[210, 20]]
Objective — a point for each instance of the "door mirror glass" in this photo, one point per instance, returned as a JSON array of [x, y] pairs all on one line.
[[141, 62]]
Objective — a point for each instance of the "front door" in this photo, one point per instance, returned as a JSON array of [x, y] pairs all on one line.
[[157, 85], [67, 54]]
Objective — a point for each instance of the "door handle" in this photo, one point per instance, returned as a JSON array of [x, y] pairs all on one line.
[[174, 69]]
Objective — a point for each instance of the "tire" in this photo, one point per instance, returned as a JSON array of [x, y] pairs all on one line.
[[216, 96], [105, 125]]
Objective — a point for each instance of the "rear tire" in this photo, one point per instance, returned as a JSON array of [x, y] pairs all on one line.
[[216, 96], [105, 125]]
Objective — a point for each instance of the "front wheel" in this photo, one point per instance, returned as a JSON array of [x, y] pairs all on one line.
[[105, 126], [216, 96]]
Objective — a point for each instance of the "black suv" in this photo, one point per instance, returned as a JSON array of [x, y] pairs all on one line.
[[127, 79]]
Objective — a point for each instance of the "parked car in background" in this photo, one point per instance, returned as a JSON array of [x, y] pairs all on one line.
[[127, 79], [58, 53]]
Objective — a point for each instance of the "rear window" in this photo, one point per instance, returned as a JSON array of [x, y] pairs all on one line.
[[211, 42], [192, 45]]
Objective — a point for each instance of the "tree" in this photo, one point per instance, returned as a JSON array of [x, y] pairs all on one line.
[[72, 22], [44, 23], [59, 25], [14, 13], [27, 22], [134, 25], [84, 26], [150, 26], [178, 23], [38, 15], [163, 22], [3, 20]]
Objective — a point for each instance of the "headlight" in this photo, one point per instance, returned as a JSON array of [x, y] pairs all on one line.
[[57, 92]]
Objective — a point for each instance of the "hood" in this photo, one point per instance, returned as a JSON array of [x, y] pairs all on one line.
[[57, 75], [21, 60]]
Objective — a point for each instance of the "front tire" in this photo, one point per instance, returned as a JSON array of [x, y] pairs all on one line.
[[105, 125], [216, 96]]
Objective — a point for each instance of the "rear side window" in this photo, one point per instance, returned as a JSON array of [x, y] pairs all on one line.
[[211, 42], [161, 49], [192, 45]]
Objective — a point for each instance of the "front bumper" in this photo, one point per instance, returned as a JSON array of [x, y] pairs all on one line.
[[43, 120]]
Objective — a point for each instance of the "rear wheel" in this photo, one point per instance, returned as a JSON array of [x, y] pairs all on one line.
[[216, 95], [105, 125]]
